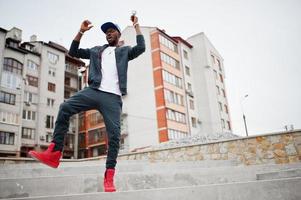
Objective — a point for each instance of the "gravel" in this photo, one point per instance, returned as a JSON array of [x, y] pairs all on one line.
[[194, 139]]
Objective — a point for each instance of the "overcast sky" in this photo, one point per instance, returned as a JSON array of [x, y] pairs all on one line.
[[260, 41]]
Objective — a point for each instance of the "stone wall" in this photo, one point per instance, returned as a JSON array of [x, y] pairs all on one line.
[[273, 148]]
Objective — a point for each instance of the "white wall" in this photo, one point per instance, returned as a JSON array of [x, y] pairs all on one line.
[[58, 95], [140, 104], [189, 79], [205, 81]]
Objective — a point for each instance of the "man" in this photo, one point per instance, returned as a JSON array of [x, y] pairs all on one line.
[[107, 83]]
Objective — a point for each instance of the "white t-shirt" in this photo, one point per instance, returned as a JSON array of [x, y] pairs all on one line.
[[109, 81]]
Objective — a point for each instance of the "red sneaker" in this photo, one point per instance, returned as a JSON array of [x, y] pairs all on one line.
[[108, 182], [48, 157]]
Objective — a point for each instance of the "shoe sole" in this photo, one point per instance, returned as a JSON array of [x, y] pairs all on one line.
[[110, 190], [39, 159]]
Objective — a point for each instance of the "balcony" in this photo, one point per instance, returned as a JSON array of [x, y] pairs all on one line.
[[71, 69], [189, 92]]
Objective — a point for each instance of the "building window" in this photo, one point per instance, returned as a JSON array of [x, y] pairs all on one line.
[[49, 121], [67, 94], [32, 65], [51, 87], [71, 68], [173, 97], [67, 81], [185, 54], [8, 117], [53, 58], [50, 102], [226, 108], [7, 98], [11, 80], [218, 91], [29, 115], [13, 44], [187, 71], [223, 123], [224, 93], [215, 74], [166, 42], [169, 60], [7, 138], [96, 135], [173, 79], [176, 116], [193, 122], [212, 59], [219, 64], [221, 78], [191, 103], [28, 133], [229, 125], [30, 97], [49, 137], [176, 134], [95, 118], [12, 65], [33, 81], [51, 71], [29, 47], [189, 87], [220, 106]]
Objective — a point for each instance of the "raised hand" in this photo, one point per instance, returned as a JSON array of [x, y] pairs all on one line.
[[134, 19], [85, 26]]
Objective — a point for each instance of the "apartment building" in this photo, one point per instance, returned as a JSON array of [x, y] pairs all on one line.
[[92, 139], [209, 80], [171, 95], [33, 83], [72, 84], [11, 70]]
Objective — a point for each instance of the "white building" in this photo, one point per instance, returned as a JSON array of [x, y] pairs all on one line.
[[209, 75], [174, 90], [33, 86]]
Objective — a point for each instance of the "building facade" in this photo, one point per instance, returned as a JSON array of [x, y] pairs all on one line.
[[209, 79], [171, 94], [35, 78]]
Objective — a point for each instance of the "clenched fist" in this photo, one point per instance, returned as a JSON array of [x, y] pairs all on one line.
[[134, 19], [85, 26]]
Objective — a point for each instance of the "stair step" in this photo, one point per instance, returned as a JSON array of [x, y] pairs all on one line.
[[82, 183], [42, 170], [278, 189], [145, 167], [280, 174]]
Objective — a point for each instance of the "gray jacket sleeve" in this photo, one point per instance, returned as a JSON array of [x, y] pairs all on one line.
[[74, 51], [137, 50]]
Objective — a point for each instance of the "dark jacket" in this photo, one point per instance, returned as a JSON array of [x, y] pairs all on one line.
[[123, 55]]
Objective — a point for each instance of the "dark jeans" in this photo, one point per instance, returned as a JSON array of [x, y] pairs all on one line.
[[108, 104]]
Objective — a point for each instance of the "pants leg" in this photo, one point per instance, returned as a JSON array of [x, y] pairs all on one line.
[[111, 107], [81, 101]]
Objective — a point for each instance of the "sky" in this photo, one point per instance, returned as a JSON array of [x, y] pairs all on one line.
[[259, 40]]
